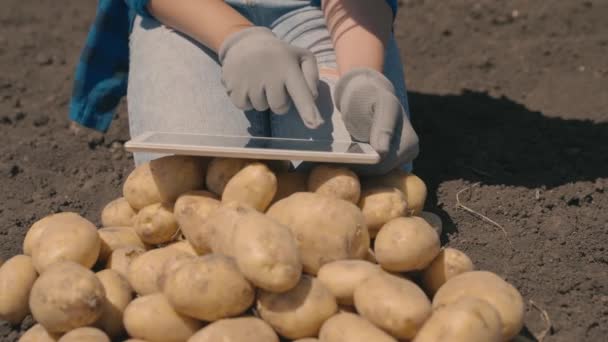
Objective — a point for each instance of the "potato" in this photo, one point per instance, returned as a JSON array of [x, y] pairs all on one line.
[[254, 185], [118, 295], [220, 171], [183, 246], [488, 286], [406, 244], [87, 334], [411, 186], [143, 271], [434, 220], [449, 263], [326, 229], [343, 276], [33, 234], [250, 329], [120, 259], [118, 213], [162, 180], [226, 292], [335, 181], [467, 319], [288, 183], [113, 238], [393, 304], [299, 312], [307, 339], [155, 224], [66, 296], [352, 328], [152, 318], [73, 239], [191, 210], [17, 276], [380, 205], [38, 333]]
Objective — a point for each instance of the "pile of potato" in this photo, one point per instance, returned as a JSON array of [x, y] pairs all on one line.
[[233, 250]]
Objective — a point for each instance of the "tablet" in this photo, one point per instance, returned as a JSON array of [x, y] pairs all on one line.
[[253, 147]]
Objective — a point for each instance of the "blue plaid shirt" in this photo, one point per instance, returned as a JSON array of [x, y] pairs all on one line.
[[103, 69]]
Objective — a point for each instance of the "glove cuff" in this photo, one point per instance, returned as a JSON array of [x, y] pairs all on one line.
[[360, 75], [241, 35]]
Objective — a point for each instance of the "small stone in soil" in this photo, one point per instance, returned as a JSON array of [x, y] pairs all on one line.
[[43, 59], [42, 120]]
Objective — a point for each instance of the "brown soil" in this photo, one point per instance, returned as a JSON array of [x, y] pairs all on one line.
[[510, 99]]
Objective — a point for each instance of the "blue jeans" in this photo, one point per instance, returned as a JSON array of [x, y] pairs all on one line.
[[175, 83]]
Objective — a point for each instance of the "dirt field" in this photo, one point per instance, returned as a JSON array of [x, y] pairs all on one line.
[[510, 99]]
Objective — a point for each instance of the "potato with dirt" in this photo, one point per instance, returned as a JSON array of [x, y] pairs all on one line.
[[396, 305], [67, 296], [121, 258], [53, 220], [118, 213], [226, 293], [17, 276], [156, 224], [326, 229], [88, 334], [488, 286], [406, 244], [151, 318], [299, 312], [341, 277], [37, 333], [113, 238], [352, 328], [221, 170], [145, 269], [191, 210], [74, 238], [250, 329], [467, 319], [449, 263], [118, 295], [254, 185], [380, 205], [411, 186], [162, 180], [335, 182], [288, 183]]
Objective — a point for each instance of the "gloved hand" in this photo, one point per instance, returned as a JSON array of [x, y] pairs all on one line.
[[372, 113], [260, 71]]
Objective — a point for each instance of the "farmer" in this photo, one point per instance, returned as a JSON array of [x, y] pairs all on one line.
[[280, 68]]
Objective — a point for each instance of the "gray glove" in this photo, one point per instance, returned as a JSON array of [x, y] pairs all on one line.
[[373, 113], [260, 71]]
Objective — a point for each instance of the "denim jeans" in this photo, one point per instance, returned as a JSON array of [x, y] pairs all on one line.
[[175, 83]]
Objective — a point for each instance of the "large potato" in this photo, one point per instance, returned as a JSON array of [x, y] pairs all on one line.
[[412, 186], [343, 276], [250, 329], [144, 270], [121, 258], [254, 185], [113, 238], [335, 181], [155, 224], [74, 239], [393, 304], [449, 263], [66, 296], [53, 220], [38, 333], [380, 205], [288, 183], [490, 287], [118, 295], [162, 180], [226, 292], [220, 171], [352, 328], [326, 229], [17, 276], [152, 318], [434, 220], [83, 334], [467, 319], [406, 244], [299, 312], [191, 211], [117, 213]]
